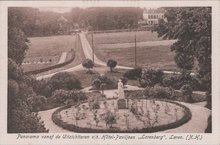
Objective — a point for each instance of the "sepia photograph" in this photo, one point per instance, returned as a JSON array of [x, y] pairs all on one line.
[[109, 69]]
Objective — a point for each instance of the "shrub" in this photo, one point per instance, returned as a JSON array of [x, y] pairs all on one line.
[[176, 81], [150, 77], [14, 71], [60, 96], [124, 80], [187, 92], [110, 118], [158, 92], [110, 82], [76, 96], [73, 96], [111, 64], [63, 80], [88, 63], [38, 101], [133, 74]]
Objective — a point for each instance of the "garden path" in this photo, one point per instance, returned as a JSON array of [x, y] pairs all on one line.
[[46, 117], [62, 57]]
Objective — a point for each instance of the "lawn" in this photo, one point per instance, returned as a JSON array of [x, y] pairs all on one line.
[[50, 46], [159, 56], [123, 37], [148, 56], [47, 48]]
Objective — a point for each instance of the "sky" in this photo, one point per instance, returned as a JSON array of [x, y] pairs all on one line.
[[56, 9]]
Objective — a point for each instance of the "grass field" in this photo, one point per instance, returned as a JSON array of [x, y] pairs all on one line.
[[123, 37], [159, 56], [46, 48], [151, 56]]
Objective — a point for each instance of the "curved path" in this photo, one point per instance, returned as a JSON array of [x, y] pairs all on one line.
[[197, 124]]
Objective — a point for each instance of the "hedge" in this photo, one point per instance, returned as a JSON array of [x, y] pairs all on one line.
[[187, 116], [52, 67]]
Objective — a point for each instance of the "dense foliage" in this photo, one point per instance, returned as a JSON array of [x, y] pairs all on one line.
[[191, 26], [104, 82], [133, 74], [69, 97], [151, 77], [99, 18], [22, 101], [34, 22]]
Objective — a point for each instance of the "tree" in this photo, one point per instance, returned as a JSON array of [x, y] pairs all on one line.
[[17, 45], [191, 26], [111, 64], [88, 63], [21, 97]]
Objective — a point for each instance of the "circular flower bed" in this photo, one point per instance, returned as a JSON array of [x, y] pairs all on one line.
[[140, 116]]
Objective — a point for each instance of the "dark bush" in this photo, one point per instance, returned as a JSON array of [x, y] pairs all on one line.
[[14, 71], [38, 101], [133, 74], [111, 64], [158, 92], [176, 81], [60, 96], [88, 64], [150, 77], [110, 82], [73, 96], [187, 92], [63, 80]]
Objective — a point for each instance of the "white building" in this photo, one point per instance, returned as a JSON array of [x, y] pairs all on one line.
[[152, 16]]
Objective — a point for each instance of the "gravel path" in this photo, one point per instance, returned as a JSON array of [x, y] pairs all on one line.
[[62, 57], [198, 122], [46, 118]]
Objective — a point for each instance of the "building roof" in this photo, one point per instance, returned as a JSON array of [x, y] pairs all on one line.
[[158, 10]]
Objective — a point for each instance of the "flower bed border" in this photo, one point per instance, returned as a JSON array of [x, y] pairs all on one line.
[[187, 116]]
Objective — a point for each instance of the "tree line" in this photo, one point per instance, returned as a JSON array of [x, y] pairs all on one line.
[[34, 22]]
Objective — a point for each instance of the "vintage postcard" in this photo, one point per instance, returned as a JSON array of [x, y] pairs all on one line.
[[110, 72]]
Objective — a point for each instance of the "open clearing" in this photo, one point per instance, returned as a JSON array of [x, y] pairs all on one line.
[[155, 56], [151, 50], [48, 49], [123, 37]]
